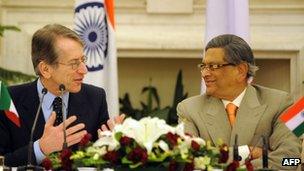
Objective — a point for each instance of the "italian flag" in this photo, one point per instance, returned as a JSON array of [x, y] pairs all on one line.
[[7, 105], [294, 118]]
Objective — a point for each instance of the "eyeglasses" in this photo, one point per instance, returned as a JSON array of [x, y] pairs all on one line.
[[75, 63], [213, 67]]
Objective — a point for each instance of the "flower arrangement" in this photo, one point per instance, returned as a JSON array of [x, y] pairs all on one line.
[[140, 144]]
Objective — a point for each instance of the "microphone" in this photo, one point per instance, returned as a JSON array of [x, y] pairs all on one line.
[[30, 166], [264, 155], [65, 144], [265, 152], [236, 156]]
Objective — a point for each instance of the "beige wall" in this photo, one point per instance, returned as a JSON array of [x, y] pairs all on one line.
[[134, 74]]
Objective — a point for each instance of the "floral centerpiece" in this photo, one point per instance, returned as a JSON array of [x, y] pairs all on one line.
[[149, 142]]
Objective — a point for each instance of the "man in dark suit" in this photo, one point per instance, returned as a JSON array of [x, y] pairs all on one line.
[[58, 58], [231, 106]]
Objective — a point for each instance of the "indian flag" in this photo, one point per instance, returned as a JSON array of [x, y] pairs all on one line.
[[294, 118], [7, 105], [94, 23]]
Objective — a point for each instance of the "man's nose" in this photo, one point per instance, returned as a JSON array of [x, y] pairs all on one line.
[[83, 68], [205, 72]]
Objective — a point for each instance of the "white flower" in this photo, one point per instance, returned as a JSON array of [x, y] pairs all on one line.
[[100, 151], [106, 138], [163, 145], [188, 140], [145, 132], [201, 162], [179, 130], [108, 169]]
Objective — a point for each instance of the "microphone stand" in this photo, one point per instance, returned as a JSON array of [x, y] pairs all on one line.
[[65, 144], [30, 166]]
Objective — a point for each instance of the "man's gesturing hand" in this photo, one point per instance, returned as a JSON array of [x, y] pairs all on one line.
[[52, 138]]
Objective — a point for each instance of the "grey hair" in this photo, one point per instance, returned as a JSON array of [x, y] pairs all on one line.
[[44, 43], [236, 51]]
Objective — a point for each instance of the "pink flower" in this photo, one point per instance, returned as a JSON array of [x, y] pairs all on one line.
[[138, 155], [195, 146], [47, 164], [111, 156], [125, 141]]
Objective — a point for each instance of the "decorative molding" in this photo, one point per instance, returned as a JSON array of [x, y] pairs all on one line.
[[169, 6], [38, 4]]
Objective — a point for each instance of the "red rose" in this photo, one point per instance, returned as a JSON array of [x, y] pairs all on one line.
[[112, 157], [233, 166], [224, 154], [138, 155], [125, 141], [189, 166], [47, 164], [249, 165], [66, 162], [85, 140], [172, 165], [172, 138], [195, 146]]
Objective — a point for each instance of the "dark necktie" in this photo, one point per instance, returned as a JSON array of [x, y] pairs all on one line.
[[57, 107]]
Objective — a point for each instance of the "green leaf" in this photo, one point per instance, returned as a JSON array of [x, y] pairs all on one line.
[[161, 113], [152, 107], [10, 77], [118, 136], [158, 158], [7, 27], [125, 160], [133, 166], [156, 96]]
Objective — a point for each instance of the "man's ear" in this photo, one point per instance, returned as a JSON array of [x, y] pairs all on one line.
[[45, 69], [243, 70]]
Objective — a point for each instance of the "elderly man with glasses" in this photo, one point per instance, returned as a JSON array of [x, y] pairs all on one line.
[[58, 58], [232, 106]]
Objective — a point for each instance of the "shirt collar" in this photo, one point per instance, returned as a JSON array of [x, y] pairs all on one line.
[[49, 97], [237, 101]]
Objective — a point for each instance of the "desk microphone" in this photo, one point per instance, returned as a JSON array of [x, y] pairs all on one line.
[[30, 166], [265, 155], [65, 144], [265, 152], [236, 156]]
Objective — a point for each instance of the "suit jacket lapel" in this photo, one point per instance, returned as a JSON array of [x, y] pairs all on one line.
[[28, 108], [216, 120], [78, 107], [247, 117]]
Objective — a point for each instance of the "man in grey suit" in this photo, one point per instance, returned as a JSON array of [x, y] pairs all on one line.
[[227, 68]]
